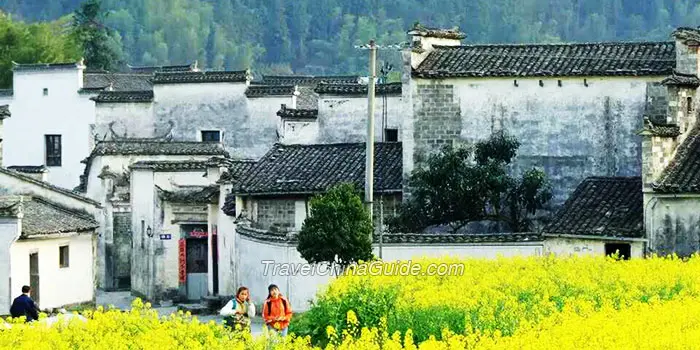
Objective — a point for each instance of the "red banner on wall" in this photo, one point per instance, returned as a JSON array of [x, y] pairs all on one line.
[[182, 260]]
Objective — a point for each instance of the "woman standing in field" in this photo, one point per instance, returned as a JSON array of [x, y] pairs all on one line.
[[239, 310], [277, 311]]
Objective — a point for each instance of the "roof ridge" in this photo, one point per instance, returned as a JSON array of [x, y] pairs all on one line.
[[586, 43], [321, 145]]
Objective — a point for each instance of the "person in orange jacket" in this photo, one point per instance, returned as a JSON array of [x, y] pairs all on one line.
[[277, 312]]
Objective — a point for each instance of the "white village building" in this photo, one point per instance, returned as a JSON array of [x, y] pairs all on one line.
[[576, 108]]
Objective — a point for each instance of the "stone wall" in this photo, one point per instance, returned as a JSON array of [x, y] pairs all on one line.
[[570, 128], [275, 214]]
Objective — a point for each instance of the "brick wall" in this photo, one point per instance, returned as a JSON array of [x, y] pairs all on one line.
[[275, 214], [437, 120]]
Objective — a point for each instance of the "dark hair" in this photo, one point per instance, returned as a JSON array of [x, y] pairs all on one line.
[[26, 289], [240, 289], [269, 290]]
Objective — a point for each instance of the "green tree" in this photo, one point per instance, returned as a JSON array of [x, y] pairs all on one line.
[[33, 43], [461, 185], [101, 46], [338, 228]]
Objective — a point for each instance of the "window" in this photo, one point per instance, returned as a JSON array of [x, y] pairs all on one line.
[[53, 150], [46, 92], [63, 256], [391, 135], [623, 249], [689, 104], [211, 136]]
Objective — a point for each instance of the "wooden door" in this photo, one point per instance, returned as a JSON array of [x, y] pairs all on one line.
[[196, 268], [34, 276]]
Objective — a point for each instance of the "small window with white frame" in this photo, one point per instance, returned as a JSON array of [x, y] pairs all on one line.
[[46, 91], [211, 135]]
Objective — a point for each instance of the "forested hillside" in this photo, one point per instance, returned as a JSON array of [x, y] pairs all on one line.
[[318, 36]]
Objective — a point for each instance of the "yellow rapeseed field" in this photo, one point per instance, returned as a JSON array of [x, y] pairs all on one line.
[[514, 303]]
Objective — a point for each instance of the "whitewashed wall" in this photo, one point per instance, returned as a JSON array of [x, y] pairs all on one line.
[[57, 286], [9, 232], [573, 131], [64, 112], [134, 120], [301, 288], [227, 246], [344, 118], [572, 246]]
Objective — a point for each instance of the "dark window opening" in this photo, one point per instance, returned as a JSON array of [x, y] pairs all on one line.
[[689, 104], [391, 135], [53, 150], [46, 92], [63, 256], [623, 250], [211, 136]]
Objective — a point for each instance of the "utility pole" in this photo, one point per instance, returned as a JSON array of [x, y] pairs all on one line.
[[369, 155]]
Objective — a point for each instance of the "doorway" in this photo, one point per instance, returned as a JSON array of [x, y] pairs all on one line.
[[623, 249], [196, 261], [34, 276]]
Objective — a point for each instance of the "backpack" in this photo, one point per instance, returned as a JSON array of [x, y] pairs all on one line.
[[269, 306]]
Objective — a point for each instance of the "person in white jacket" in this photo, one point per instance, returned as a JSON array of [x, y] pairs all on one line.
[[239, 310]]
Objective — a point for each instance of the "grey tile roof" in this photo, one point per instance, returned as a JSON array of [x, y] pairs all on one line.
[[117, 82], [427, 238], [5, 112], [420, 30], [235, 170], [308, 98], [550, 60], [309, 80], [285, 112], [29, 169], [42, 217], [602, 206], [269, 90], [201, 77], [150, 147], [193, 194], [661, 129], [297, 169], [18, 67], [682, 175], [401, 238], [172, 68], [46, 185], [358, 89], [6, 92], [9, 206], [124, 97], [680, 79], [171, 165]]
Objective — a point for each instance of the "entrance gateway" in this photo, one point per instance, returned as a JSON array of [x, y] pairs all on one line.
[[195, 245]]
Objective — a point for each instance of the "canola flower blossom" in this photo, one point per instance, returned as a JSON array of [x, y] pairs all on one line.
[[515, 303]]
